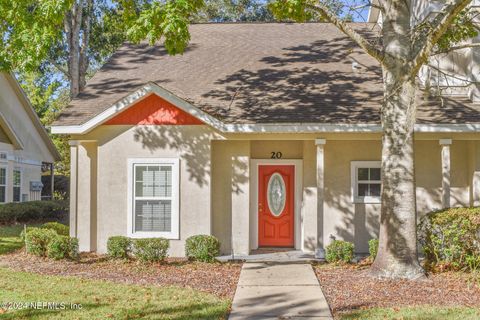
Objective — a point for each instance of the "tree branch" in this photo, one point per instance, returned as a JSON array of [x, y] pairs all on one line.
[[60, 68], [350, 32], [460, 47], [453, 76], [427, 40]]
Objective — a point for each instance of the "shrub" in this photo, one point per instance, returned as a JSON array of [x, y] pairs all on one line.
[[202, 248], [373, 247], [11, 213], [450, 239], [37, 241], [118, 247], [22, 234], [62, 247], [59, 228], [151, 250], [339, 251]]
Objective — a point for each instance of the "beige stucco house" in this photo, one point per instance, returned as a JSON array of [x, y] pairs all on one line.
[[24, 145], [263, 135]]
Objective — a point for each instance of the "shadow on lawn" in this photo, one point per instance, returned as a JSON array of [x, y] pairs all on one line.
[[46, 313]]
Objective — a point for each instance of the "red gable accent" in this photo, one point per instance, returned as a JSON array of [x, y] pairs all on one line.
[[154, 110]]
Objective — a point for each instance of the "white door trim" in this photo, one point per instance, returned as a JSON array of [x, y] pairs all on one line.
[[298, 221]]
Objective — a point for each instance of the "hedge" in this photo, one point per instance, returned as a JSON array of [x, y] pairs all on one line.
[[373, 248], [15, 212], [202, 248], [119, 247], [450, 239], [62, 247], [37, 241], [151, 250], [59, 228], [339, 251]]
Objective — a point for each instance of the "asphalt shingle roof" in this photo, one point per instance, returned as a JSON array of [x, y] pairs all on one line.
[[260, 73]]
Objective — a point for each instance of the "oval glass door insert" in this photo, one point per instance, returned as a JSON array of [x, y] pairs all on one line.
[[276, 194]]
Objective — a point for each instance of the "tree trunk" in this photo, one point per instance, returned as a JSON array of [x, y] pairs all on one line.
[[73, 28], [397, 252], [84, 63]]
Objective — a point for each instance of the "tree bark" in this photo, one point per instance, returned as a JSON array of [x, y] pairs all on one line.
[[397, 252], [73, 27], [83, 60], [397, 255]]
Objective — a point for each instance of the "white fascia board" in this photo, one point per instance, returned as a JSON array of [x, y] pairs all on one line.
[[217, 124], [300, 128], [453, 128]]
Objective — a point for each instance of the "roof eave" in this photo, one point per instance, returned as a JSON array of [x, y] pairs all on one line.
[[217, 124]]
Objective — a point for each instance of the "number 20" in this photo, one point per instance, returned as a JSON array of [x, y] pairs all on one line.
[[276, 155]]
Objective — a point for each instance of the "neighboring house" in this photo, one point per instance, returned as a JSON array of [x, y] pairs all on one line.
[[24, 145], [263, 135]]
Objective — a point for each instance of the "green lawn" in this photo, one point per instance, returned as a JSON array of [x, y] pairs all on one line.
[[10, 238], [417, 313], [104, 300]]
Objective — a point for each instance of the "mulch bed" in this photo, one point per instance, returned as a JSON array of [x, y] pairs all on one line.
[[349, 288], [219, 279]]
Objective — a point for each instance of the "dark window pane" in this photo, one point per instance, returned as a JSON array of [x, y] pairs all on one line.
[[16, 194], [2, 194], [375, 189], [139, 172], [374, 173], [3, 176], [362, 173], [362, 189]]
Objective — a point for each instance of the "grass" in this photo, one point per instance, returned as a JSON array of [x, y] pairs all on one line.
[[10, 237], [414, 313], [104, 300]]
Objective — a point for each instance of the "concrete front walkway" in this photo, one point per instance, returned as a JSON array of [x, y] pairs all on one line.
[[268, 290]]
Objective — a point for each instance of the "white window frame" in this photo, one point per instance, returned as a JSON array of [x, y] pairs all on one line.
[[175, 164], [354, 182], [13, 183], [6, 183]]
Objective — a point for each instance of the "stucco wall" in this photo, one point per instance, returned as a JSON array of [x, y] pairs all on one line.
[[34, 148], [359, 222], [191, 144], [216, 189], [342, 218], [29, 158]]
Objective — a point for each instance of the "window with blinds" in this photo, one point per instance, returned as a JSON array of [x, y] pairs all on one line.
[[3, 185], [154, 198]]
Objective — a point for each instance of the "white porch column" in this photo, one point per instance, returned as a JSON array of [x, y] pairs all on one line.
[[320, 143], [84, 193], [73, 188], [445, 143], [476, 175], [241, 198]]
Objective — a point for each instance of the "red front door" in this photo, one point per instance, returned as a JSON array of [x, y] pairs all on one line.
[[276, 185]]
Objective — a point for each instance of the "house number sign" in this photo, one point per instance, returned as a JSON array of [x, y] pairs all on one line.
[[276, 155]]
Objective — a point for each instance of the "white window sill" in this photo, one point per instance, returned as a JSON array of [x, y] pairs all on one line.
[[143, 235], [367, 200]]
